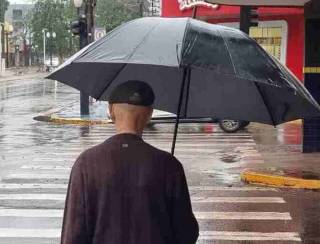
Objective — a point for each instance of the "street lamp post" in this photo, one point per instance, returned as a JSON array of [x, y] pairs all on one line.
[[52, 35], [44, 47]]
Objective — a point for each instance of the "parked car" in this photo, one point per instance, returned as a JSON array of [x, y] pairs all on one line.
[[229, 126]]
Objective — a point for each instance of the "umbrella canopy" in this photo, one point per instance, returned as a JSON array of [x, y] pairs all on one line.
[[209, 70]]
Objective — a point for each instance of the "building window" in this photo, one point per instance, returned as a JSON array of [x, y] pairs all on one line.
[[269, 38], [271, 35]]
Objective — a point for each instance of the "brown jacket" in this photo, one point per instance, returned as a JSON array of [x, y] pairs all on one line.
[[124, 191]]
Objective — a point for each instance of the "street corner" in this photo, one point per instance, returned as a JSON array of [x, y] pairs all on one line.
[[55, 119], [274, 179], [295, 122]]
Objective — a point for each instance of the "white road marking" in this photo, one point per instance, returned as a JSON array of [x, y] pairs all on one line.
[[56, 197], [226, 188], [243, 215], [35, 213], [194, 199], [249, 236], [41, 159], [32, 186], [49, 167], [237, 200], [29, 233], [37, 176]]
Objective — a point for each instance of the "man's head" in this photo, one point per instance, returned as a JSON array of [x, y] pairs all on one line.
[[130, 106]]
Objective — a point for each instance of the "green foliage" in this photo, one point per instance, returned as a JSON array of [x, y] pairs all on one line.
[[54, 16], [3, 7], [111, 13]]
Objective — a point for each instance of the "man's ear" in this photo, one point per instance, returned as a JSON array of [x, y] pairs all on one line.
[[150, 113], [111, 112]]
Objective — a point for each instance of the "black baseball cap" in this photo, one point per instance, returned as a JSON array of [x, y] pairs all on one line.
[[133, 92]]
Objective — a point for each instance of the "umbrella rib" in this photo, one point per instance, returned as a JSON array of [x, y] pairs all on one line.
[[115, 76], [183, 42], [143, 39], [228, 50], [108, 36], [265, 103]]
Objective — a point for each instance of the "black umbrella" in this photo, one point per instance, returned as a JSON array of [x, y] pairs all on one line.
[[196, 70]]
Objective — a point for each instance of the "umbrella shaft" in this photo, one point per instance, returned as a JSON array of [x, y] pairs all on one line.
[[185, 76]]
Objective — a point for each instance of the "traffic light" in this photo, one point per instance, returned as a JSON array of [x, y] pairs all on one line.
[[254, 17], [79, 27]]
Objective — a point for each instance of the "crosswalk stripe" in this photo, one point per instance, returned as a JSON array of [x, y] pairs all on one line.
[[56, 197], [36, 213], [197, 143], [194, 199], [204, 235], [29, 233], [32, 186], [243, 215], [54, 213], [249, 236], [64, 186], [37, 176], [48, 167], [237, 200], [231, 188]]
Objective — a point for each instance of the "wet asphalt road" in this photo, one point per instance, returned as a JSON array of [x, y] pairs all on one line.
[[35, 161]]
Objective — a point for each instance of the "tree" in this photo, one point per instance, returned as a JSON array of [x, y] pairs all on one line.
[[3, 8], [111, 13], [53, 16]]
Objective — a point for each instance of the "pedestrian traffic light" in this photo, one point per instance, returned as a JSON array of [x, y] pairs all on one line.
[[79, 27], [254, 17]]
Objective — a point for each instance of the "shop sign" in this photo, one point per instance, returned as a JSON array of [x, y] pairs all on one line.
[[188, 4]]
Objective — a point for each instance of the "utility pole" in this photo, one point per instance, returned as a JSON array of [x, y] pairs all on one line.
[[248, 17], [44, 48], [84, 27], [141, 3], [1, 35]]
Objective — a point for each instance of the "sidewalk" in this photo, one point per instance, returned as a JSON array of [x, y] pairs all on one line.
[[280, 157], [17, 73], [284, 163]]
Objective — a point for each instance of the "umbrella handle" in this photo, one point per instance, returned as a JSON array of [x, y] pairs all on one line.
[[184, 77]]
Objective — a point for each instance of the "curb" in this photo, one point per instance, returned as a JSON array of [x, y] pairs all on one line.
[[278, 181], [70, 121], [295, 122]]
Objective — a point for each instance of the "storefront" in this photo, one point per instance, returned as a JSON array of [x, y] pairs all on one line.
[[280, 31]]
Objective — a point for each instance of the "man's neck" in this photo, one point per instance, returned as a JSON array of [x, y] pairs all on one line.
[[129, 131]]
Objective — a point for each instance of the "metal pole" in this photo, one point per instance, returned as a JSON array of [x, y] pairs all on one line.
[[245, 19], [51, 39], [7, 50], [184, 77], [141, 8], [44, 48], [84, 98]]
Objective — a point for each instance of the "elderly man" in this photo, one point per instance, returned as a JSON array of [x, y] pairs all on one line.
[[125, 191]]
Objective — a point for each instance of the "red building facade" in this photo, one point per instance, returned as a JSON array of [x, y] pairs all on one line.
[[280, 30]]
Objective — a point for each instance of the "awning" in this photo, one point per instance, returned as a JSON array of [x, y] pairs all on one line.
[[261, 2]]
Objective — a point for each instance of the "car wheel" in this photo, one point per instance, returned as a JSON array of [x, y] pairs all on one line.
[[230, 126]]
